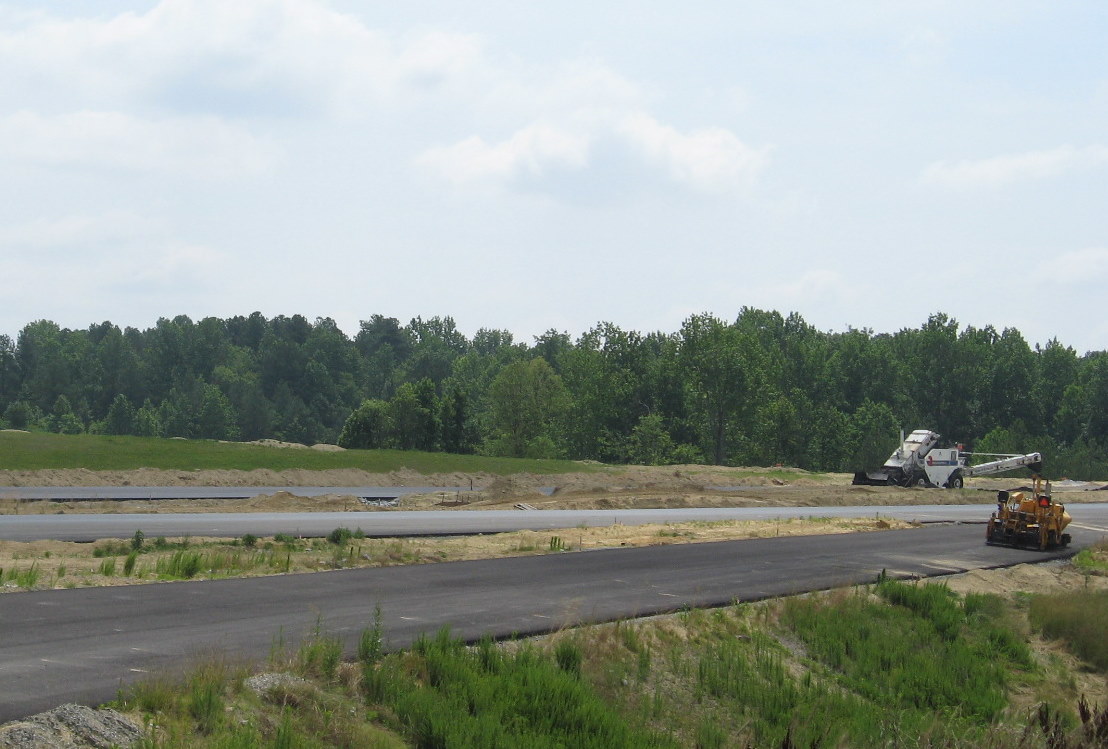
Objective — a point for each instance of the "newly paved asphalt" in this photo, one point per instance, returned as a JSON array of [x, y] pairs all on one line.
[[456, 522], [82, 644]]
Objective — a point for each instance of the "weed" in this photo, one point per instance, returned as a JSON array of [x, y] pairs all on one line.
[[206, 703], [370, 644], [284, 538], [137, 540], [567, 654], [160, 543], [107, 567], [340, 536], [129, 563], [319, 656], [710, 736], [183, 564], [111, 549], [556, 544], [249, 540]]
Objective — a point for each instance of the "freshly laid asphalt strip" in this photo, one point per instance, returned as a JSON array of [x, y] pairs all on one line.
[[90, 527], [81, 645]]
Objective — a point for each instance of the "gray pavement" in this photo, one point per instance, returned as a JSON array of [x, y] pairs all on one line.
[[387, 523]]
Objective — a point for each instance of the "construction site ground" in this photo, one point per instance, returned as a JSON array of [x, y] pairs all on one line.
[[631, 487]]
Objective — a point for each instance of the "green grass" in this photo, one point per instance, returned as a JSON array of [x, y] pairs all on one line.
[[1076, 618], [889, 665], [921, 653], [1093, 560], [40, 450]]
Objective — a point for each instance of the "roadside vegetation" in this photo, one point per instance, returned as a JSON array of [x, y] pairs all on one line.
[[30, 451], [890, 664], [58, 564]]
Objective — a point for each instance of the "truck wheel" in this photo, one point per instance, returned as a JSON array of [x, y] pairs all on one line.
[[955, 482]]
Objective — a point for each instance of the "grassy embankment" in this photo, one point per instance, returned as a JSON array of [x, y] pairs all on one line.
[[32, 451], [890, 664], [39, 451]]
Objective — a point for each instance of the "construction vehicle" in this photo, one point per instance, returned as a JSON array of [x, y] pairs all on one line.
[[1028, 518], [919, 461]]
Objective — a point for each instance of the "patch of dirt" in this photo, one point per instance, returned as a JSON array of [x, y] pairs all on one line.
[[628, 487]]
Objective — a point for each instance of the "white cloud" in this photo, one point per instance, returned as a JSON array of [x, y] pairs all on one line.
[[530, 151], [77, 229], [1084, 266], [1002, 170], [815, 287], [712, 159], [197, 146], [216, 56], [171, 265]]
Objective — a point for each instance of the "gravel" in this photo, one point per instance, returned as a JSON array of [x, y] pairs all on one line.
[[71, 727]]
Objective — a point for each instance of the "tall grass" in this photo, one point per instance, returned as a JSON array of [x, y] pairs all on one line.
[[185, 564], [916, 654], [1077, 618], [482, 697], [25, 578]]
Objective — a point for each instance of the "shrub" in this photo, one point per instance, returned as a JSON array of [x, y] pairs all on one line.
[[340, 536], [249, 540], [137, 540]]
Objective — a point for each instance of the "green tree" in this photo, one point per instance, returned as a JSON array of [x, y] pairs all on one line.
[[415, 415], [21, 415], [147, 422], [121, 416], [873, 435], [650, 443], [526, 398], [369, 427], [454, 421], [721, 366], [216, 418], [62, 418]]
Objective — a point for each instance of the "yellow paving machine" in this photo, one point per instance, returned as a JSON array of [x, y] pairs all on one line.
[[1029, 519]]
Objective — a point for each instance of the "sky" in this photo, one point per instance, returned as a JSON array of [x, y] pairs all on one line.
[[552, 165]]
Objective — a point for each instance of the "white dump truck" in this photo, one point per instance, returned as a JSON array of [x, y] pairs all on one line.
[[919, 461]]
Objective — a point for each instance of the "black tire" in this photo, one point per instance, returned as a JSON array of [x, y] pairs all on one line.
[[955, 482]]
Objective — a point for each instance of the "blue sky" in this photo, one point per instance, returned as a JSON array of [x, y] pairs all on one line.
[[552, 165]]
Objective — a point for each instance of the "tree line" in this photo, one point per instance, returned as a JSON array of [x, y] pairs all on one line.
[[761, 389]]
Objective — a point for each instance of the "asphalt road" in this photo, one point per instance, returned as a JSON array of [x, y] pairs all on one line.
[[82, 644], [456, 522]]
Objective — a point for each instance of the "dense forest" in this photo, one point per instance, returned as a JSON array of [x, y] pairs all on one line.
[[762, 389]]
